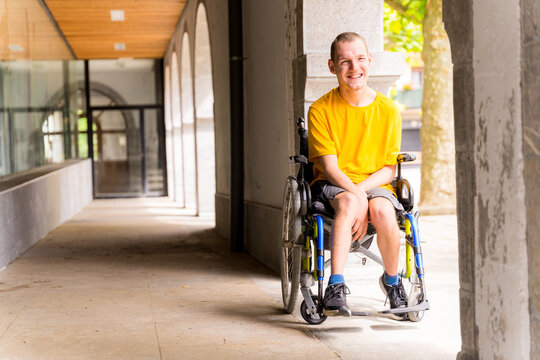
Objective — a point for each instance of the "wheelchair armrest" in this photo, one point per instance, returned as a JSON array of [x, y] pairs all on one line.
[[299, 159], [405, 157]]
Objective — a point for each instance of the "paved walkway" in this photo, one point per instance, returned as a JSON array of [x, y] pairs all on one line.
[[141, 279]]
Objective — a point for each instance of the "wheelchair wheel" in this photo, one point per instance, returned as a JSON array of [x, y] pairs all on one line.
[[290, 249], [307, 316], [415, 299]]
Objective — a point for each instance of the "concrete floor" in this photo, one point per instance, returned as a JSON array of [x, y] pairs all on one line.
[[142, 279]]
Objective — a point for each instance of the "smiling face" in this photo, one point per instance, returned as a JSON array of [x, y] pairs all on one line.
[[351, 65]]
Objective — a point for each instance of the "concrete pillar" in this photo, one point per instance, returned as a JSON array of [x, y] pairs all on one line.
[[363, 17], [497, 142], [530, 133]]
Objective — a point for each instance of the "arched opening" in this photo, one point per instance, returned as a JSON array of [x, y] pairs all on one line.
[[204, 114], [188, 128], [176, 134], [117, 144], [168, 133]]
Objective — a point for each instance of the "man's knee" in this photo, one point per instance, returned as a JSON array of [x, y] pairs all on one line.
[[347, 203], [382, 211]]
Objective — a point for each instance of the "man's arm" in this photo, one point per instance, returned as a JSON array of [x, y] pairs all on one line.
[[383, 176], [336, 177]]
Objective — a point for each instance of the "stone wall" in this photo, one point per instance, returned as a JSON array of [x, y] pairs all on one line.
[[459, 26], [33, 207], [530, 110], [496, 161]]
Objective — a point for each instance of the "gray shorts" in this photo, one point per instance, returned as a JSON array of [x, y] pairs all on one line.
[[324, 191]]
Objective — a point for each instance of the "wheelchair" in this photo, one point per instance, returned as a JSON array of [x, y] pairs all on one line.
[[306, 235]]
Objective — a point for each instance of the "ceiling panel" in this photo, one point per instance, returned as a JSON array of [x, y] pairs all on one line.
[[88, 28], [26, 32]]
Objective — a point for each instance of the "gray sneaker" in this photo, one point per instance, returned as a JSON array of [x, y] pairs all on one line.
[[335, 300], [394, 293]]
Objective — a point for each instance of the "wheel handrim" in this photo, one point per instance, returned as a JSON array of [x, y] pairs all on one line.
[[288, 248]]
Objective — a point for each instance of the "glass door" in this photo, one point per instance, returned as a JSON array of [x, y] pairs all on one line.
[[117, 153], [127, 136], [128, 156], [154, 149]]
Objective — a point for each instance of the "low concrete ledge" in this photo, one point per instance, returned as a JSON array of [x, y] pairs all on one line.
[[223, 215], [35, 202], [262, 229], [263, 233]]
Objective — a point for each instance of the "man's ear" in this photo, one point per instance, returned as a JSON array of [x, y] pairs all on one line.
[[331, 66]]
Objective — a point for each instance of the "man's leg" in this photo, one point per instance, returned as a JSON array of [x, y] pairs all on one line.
[[383, 216], [349, 208]]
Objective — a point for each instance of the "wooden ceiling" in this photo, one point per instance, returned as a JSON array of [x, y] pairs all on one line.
[[28, 33], [89, 30]]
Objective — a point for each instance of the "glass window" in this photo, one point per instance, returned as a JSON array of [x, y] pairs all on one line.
[[124, 81], [40, 104]]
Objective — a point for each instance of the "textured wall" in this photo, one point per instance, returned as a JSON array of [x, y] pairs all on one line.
[[501, 256], [32, 209], [364, 17], [530, 68], [266, 125], [495, 120], [458, 19]]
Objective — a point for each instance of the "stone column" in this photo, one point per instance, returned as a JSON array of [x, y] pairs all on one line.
[[530, 133], [497, 201], [319, 30], [458, 20]]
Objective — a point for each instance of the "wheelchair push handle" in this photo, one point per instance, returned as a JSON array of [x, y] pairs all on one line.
[[298, 159], [405, 157], [301, 123]]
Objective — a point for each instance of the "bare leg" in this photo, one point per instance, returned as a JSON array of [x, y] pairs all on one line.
[[383, 216], [348, 209]]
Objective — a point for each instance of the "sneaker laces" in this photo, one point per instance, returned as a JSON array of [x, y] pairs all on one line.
[[339, 290], [397, 294]]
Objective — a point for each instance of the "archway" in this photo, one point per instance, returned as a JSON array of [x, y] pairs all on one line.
[[189, 145], [176, 134], [204, 115], [168, 134]]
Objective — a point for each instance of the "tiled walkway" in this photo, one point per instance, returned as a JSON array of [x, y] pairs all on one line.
[[141, 279]]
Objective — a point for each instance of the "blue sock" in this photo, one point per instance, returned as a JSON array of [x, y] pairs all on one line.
[[391, 280], [336, 279]]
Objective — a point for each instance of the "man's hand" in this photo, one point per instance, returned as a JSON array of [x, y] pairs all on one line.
[[359, 227], [338, 178]]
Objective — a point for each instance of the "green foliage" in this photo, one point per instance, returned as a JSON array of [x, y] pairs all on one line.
[[82, 124], [403, 25]]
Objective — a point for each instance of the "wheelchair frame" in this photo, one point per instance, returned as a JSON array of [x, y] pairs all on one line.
[[305, 237]]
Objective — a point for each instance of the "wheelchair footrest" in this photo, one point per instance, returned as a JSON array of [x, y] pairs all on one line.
[[361, 313], [424, 305]]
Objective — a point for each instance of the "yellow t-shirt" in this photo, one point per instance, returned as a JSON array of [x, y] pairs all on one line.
[[364, 139]]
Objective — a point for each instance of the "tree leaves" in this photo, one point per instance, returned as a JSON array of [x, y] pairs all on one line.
[[403, 25]]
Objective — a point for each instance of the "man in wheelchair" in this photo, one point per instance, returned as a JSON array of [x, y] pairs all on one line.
[[354, 140]]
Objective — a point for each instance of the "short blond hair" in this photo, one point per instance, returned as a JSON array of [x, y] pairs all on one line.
[[345, 37]]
